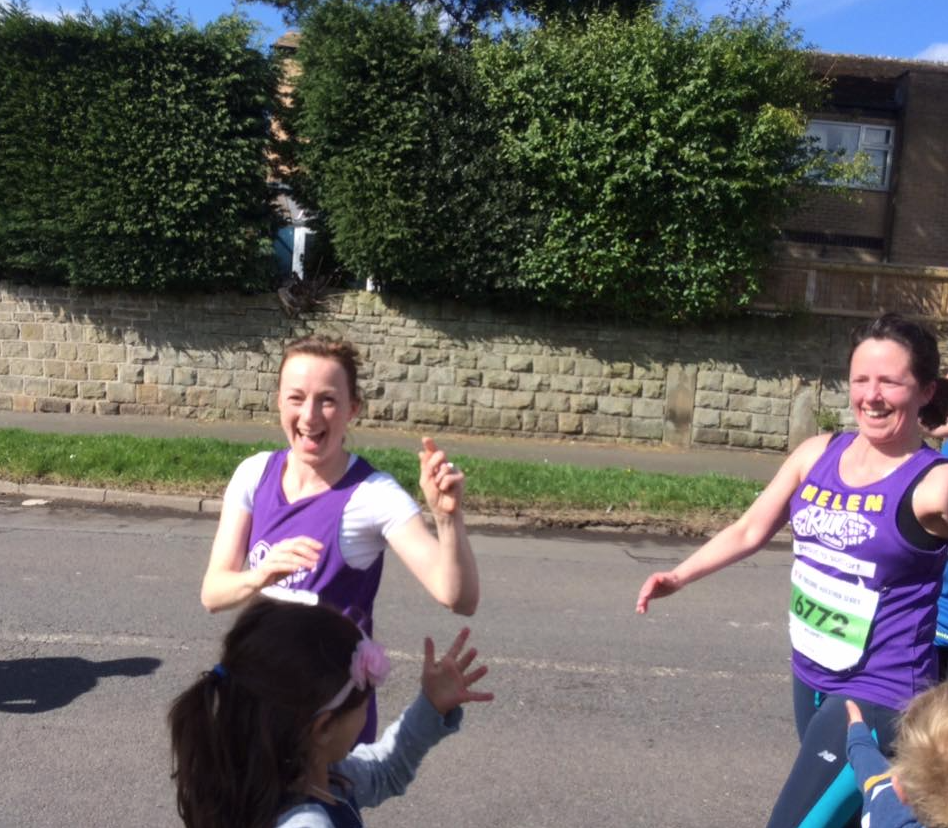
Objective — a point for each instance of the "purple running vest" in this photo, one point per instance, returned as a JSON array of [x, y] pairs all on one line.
[[319, 517], [850, 535]]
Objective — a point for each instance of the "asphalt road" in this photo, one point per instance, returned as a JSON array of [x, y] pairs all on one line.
[[681, 718]]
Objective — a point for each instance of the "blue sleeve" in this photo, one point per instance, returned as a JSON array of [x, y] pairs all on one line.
[[386, 767], [880, 804]]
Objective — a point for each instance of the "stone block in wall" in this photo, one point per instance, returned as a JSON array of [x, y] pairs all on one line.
[[464, 359], [102, 371], [31, 331], [451, 395], [66, 351], [6, 402], [111, 353], [735, 420], [491, 362], [390, 372], [773, 442], [54, 368], [534, 382], [551, 401], [745, 439], [513, 399], [407, 356], [214, 378], [5, 367], [227, 398], [615, 406], [36, 386], [519, 362], [15, 349], [82, 407], [653, 371], [653, 389], [86, 352], [486, 418], [468, 377], [23, 404], [41, 350], [710, 436], [582, 404], [148, 393], [636, 429], [834, 399], [625, 387], [54, 333], [501, 379], [648, 408], [435, 359], [120, 392], [63, 388], [51, 405], [184, 376], [92, 390], [589, 368], [169, 395], [8, 330], [26, 367], [569, 423], [245, 380], [253, 400], [460, 416], [511, 420], [198, 397], [709, 418], [595, 386], [599, 425], [428, 413], [131, 373], [751, 404], [402, 391], [379, 410], [618, 370], [765, 424], [739, 384], [157, 374], [711, 399], [77, 371], [267, 381], [545, 365], [566, 384], [780, 408]]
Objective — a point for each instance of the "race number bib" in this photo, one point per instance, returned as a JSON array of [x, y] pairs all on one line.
[[830, 619]]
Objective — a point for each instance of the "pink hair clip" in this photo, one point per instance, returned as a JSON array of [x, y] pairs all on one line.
[[369, 667]]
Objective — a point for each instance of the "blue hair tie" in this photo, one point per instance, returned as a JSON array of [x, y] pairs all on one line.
[[219, 670]]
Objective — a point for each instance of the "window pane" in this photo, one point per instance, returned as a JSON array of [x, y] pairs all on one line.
[[841, 138], [878, 135], [879, 159]]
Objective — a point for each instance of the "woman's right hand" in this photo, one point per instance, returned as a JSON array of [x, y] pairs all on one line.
[[284, 558], [658, 585]]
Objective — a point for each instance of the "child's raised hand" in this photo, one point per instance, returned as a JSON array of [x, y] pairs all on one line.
[[446, 683], [853, 711]]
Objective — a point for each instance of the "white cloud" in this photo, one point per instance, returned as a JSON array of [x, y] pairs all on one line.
[[936, 51]]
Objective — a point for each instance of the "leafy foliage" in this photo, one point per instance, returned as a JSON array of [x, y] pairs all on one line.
[[397, 148], [658, 154], [132, 150]]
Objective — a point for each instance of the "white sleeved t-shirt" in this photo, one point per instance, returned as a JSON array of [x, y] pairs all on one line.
[[377, 507]]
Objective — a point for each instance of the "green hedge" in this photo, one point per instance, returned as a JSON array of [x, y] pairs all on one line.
[[132, 151]]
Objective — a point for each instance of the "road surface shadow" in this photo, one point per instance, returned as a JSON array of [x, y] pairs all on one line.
[[35, 685]]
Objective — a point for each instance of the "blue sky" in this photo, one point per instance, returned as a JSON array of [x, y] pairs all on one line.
[[886, 28]]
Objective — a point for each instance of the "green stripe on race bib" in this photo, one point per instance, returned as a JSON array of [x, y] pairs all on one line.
[[852, 629]]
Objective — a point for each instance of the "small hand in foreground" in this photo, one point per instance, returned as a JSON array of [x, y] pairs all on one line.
[[286, 557], [442, 482], [853, 712], [659, 585], [446, 683]]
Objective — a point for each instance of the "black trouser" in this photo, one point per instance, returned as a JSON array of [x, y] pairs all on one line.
[[821, 791]]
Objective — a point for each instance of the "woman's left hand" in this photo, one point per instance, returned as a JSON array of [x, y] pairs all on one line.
[[442, 482]]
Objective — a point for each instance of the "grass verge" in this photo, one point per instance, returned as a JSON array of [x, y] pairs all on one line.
[[547, 492]]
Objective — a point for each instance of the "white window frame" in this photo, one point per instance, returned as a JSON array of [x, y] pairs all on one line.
[[865, 143]]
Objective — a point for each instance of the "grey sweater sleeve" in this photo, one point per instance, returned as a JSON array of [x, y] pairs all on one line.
[[386, 767]]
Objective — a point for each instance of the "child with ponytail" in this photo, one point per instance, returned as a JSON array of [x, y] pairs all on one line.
[[264, 739]]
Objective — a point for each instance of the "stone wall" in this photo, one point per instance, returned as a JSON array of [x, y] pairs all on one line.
[[756, 383]]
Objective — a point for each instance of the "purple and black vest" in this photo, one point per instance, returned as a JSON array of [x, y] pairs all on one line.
[[863, 602]]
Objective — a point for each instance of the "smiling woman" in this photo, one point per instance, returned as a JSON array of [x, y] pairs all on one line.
[[869, 512], [311, 521]]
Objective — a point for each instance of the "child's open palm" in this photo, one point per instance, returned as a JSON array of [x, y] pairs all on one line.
[[446, 683]]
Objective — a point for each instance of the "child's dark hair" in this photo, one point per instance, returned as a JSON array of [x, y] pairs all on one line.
[[922, 346], [240, 734]]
